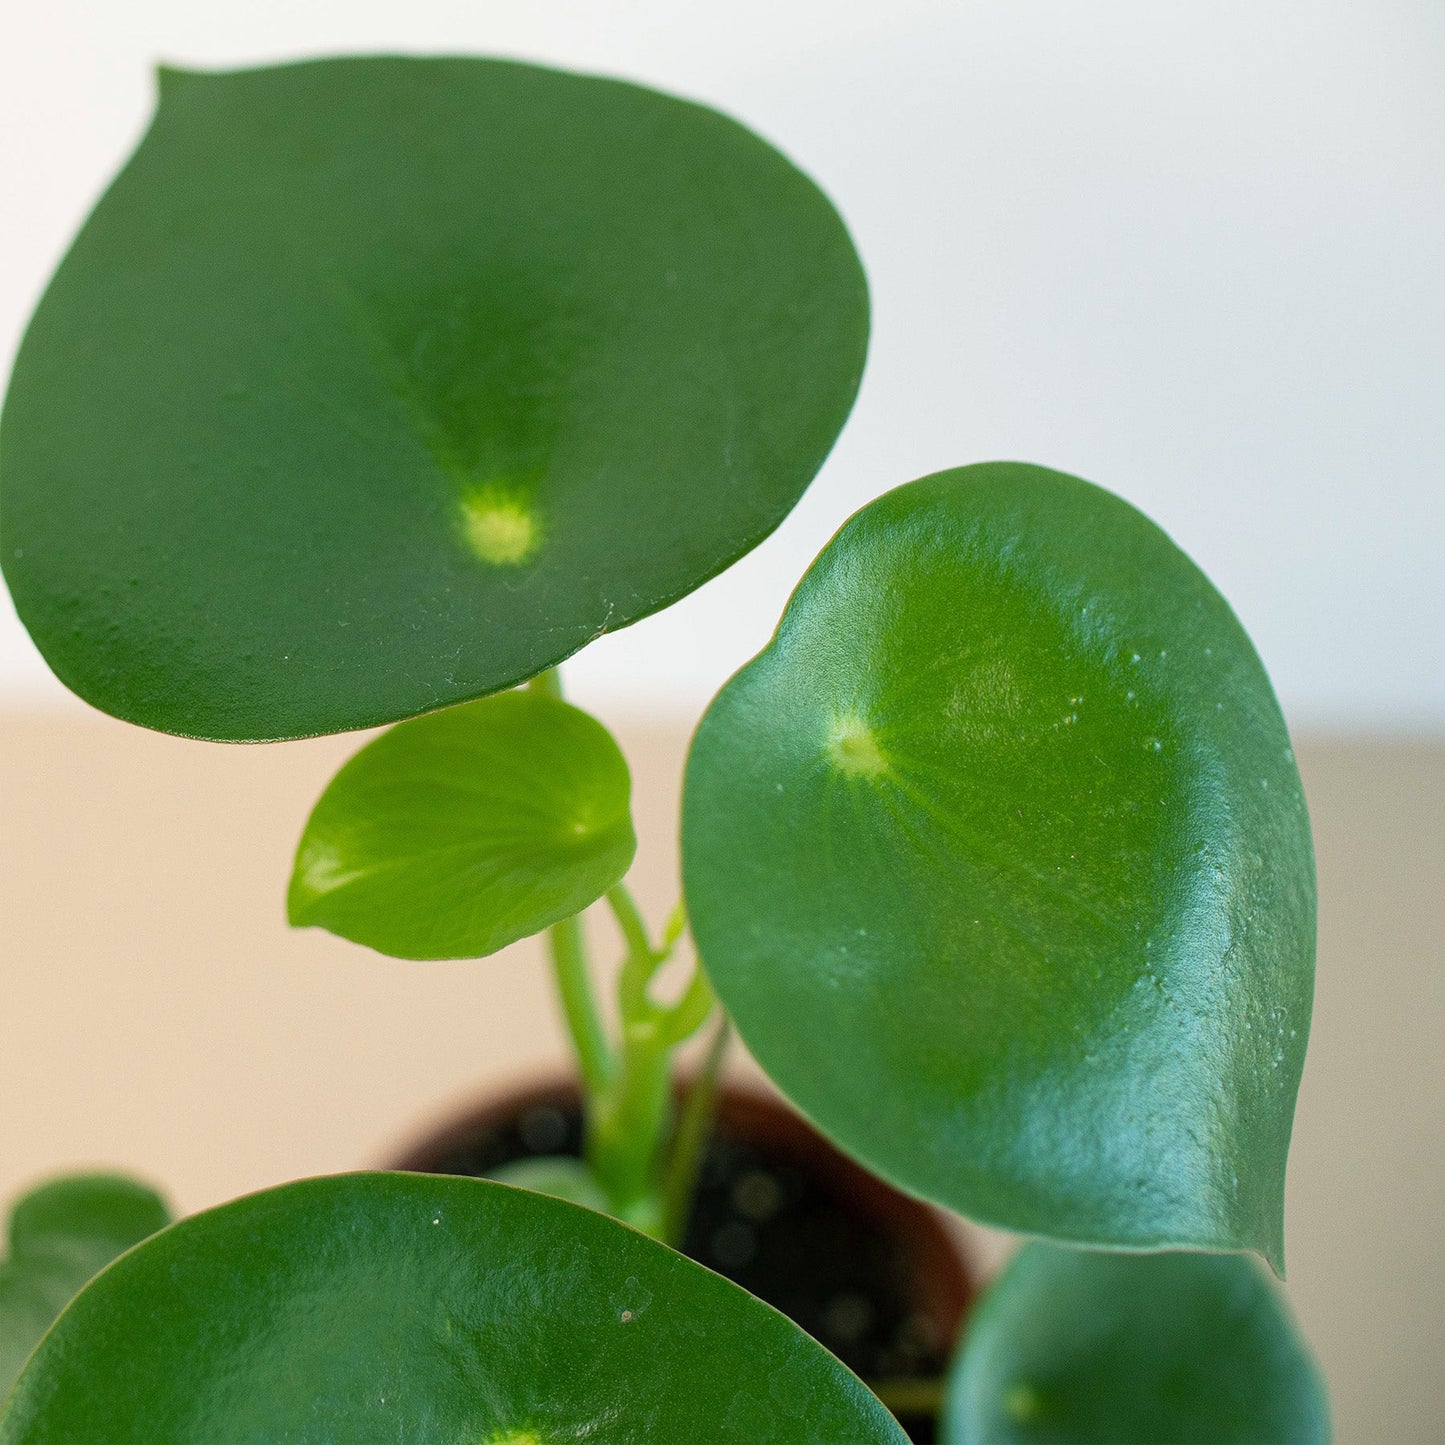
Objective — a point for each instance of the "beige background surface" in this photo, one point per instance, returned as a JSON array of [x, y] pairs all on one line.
[[158, 1015]]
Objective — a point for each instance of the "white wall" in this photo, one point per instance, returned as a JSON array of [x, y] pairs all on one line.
[[1192, 251]]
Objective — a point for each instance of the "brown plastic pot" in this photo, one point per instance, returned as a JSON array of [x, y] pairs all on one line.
[[876, 1276]]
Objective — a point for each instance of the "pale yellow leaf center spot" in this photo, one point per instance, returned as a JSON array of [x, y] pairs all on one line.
[[853, 749], [1022, 1404], [500, 527]]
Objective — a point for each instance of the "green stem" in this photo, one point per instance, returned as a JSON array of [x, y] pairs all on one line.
[[690, 1141], [633, 1113], [629, 920], [690, 1012], [633, 1117], [631, 1120], [569, 967], [627, 1093], [574, 987], [642, 960], [640, 966], [676, 926]]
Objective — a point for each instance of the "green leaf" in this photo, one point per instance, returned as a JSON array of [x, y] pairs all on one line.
[[1116, 1349], [998, 858], [411, 1307], [378, 384], [559, 1175], [458, 833], [61, 1235]]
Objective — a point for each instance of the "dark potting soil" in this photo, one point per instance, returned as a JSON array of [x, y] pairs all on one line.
[[777, 1226]]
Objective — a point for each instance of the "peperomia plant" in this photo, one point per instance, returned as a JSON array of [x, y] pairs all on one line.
[[371, 391]]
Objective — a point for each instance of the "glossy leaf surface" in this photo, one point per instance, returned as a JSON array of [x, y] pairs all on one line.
[[411, 1307], [998, 858], [61, 1235], [455, 834], [1071, 1347], [378, 384]]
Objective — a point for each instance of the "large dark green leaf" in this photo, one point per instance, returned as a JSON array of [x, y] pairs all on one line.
[[1071, 1347], [378, 384], [998, 857], [395, 1307], [456, 834], [61, 1235]]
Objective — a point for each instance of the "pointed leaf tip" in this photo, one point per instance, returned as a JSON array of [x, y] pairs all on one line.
[[172, 78], [1008, 813]]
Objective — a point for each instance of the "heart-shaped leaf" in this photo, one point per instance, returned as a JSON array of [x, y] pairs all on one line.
[[1118, 1349], [378, 384], [455, 834], [418, 1308], [999, 859], [61, 1235]]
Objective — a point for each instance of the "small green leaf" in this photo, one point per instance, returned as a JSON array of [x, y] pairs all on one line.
[[61, 1235], [998, 858], [410, 1307], [559, 1175], [378, 384], [458, 833], [1118, 1349]]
